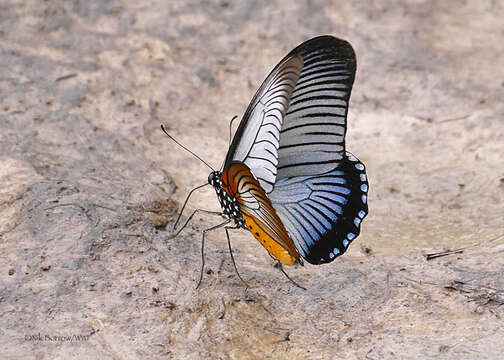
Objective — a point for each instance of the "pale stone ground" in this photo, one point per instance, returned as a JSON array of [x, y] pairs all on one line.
[[84, 86]]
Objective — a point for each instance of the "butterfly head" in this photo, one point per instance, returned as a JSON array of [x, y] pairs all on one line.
[[214, 179]]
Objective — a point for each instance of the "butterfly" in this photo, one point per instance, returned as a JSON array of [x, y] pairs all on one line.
[[287, 177]]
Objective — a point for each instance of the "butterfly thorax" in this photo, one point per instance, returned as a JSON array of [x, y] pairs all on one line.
[[229, 204]]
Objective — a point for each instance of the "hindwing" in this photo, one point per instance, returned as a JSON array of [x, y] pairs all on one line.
[[322, 213]]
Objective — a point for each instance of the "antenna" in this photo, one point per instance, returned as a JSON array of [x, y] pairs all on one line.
[[230, 128], [183, 147]]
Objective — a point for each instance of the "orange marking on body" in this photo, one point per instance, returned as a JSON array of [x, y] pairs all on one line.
[[258, 213]]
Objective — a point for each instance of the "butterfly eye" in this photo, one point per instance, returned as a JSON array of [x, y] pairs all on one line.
[[214, 178]]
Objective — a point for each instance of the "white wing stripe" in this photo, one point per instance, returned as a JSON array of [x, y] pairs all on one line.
[[260, 135]]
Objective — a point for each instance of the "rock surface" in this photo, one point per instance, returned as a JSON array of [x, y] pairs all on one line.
[[90, 185]]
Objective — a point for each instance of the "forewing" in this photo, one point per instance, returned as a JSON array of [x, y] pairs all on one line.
[[323, 213], [312, 138], [296, 122]]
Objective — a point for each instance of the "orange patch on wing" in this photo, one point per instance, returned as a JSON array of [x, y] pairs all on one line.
[[275, 249], [258, 213]]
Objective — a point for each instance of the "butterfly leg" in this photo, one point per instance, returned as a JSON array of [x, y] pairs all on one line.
[[231, 252], [194, 213], [279, 265], [185, 203], [203, 247]]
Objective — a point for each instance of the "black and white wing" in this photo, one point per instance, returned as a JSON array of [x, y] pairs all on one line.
[[296, 121], [312, 137], [257, 139]]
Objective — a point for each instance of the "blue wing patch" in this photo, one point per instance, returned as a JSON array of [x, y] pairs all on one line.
[[323, 213]]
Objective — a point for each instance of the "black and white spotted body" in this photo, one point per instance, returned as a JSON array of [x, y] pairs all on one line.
[[229, 204]]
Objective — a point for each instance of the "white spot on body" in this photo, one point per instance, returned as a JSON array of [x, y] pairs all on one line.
[[359, 166], [357, 221], [362, 213], [351, 236], [364, 199], [364, 187], [345, 243], [363, 177], [336, 251]]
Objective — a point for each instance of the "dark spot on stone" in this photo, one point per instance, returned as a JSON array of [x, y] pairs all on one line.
[[45, 267], [206, 76], [165, 304], [366, 250], [393, 189]]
